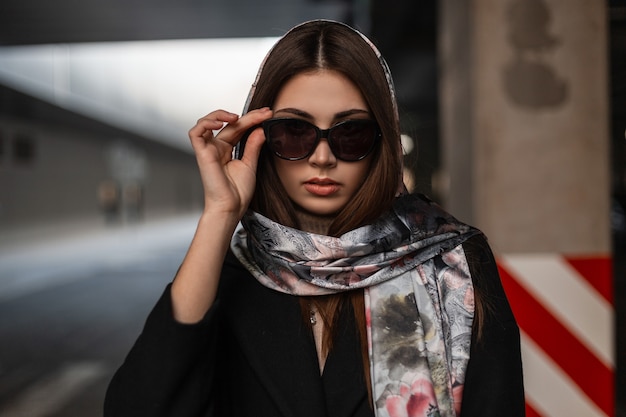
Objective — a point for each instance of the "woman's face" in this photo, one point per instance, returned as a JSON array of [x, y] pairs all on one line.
[[321, 184]]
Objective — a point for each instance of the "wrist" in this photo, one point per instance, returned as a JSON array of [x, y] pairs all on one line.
[[219, 221]]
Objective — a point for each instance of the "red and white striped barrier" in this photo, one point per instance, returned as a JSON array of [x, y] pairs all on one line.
[[564, 308]]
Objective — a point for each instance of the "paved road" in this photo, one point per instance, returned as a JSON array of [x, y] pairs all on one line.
[[71, 307]]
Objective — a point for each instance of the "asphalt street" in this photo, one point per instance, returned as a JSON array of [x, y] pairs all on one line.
[[72, 304]]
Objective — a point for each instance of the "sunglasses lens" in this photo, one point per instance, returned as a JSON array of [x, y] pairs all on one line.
[[354, 139], [291, 138], [295, 139]]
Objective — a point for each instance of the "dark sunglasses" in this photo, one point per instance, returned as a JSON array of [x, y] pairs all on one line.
[[294, 139]]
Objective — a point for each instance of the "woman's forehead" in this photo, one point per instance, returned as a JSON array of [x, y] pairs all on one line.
[[321, 93]]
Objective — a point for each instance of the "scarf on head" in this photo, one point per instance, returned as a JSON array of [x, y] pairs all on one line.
[[417, 287]]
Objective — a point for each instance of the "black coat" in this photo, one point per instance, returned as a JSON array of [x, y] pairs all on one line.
[[253, 355]]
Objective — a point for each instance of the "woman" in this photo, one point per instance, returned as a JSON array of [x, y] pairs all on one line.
[[314, 285]]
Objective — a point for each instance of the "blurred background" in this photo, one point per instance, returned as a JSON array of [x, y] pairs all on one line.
[[514, 119]]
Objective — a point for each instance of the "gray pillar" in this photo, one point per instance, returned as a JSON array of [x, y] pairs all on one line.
[[524, 122], [525, 138]]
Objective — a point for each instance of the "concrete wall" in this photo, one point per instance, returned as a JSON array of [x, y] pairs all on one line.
[[60, 174]]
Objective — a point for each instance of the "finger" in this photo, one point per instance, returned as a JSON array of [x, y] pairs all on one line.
[[252, 149], [222, 115], [233, 132], [212, 121]]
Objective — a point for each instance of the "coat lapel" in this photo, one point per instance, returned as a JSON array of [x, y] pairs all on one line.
[[279, 347], [344, 380]]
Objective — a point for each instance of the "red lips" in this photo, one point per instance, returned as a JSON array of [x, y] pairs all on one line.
[[321, 186]]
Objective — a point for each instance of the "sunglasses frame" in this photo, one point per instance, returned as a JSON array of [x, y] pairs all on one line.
[[320, 134]]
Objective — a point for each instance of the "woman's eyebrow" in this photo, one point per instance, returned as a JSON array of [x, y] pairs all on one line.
[[351, 112], [340, 115], [295, 112]]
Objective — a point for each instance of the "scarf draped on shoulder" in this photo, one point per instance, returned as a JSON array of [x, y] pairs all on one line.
[[418, 294]]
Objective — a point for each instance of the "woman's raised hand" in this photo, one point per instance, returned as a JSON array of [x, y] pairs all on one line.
[[228, 183], [228, 187]]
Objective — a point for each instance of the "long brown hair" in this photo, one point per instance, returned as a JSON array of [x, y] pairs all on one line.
[[333, 46]]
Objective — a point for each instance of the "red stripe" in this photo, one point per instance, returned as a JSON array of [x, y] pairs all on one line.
[[531, 412], [573, 357], [598, 272]]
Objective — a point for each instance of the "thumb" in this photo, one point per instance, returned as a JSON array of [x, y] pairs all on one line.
[[253, 147]]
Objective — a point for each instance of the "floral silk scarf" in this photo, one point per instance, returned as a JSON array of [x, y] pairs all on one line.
[[418, 291]]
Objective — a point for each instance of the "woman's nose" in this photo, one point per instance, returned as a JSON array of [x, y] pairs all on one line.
[[323, 155]]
